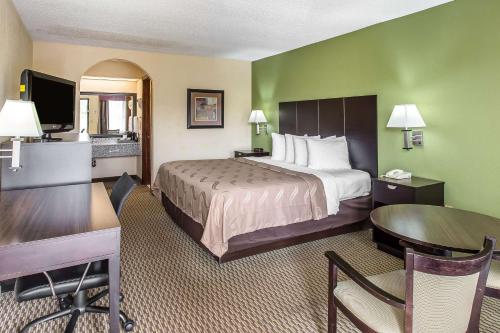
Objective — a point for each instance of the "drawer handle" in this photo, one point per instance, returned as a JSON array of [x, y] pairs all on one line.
[[392, 187], [114, 150]]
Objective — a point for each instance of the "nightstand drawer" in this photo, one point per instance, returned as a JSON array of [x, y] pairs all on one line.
[[392, 193]]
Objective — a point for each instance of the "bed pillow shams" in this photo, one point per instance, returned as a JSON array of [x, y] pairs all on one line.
[[279, 147], [331, 154]]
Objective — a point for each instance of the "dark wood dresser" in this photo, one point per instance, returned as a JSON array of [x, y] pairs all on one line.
[[416, 190]]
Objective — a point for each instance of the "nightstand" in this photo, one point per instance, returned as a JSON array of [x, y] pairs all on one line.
[[248, 153], [416, 190]]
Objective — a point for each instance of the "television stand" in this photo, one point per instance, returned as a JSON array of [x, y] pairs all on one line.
[[47, 137]]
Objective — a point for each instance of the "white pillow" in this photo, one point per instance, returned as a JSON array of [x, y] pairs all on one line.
[[278, 153], [290, 150], [331, 154], [289, 154], [300, 148]]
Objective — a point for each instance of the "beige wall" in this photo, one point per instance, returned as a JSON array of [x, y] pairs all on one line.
[[116, 68], [171, 76], [108, 86], [93, 113], [16, 51]]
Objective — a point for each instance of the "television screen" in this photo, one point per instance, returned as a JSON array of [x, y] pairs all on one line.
[[54, 100]]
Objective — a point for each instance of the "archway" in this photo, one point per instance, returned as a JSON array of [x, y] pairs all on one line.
[[115, 106]]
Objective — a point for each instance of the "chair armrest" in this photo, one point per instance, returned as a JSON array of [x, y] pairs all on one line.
[[364, 282]]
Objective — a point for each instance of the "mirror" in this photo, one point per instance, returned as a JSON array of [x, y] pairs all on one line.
[[107, 113]]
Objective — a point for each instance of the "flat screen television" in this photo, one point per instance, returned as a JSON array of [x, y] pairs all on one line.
[[54, 100]]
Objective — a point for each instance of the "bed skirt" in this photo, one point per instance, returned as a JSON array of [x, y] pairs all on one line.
[[353, 216]]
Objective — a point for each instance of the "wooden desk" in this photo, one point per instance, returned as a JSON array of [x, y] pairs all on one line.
[[436, 227], [49, 228]]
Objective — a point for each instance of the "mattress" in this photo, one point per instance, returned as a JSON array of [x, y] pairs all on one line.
[[339, 185]]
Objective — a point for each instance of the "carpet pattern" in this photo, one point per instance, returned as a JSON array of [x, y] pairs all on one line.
[[173, 286]]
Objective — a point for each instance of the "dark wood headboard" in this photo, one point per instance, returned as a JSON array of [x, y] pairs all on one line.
[[354, 117]]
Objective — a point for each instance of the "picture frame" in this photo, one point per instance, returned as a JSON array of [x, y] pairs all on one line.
[[205, 108]]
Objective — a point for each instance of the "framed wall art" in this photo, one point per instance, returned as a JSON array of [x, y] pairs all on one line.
[[205, 108]]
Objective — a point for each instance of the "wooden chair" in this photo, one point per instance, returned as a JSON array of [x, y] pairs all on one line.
[[433, 294], [493, 282]]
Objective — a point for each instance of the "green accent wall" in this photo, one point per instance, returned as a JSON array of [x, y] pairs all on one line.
[[446, 60]]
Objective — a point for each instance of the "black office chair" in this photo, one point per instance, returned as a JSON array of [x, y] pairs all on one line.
[[69, 285], [120, 192]]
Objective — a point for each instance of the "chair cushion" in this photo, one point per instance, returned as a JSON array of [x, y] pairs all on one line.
[[65, 281], [376, 314], [436, 299], [494, 275]]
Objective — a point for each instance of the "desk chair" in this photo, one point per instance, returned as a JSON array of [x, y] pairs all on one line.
[[422, 298], [68, 285]]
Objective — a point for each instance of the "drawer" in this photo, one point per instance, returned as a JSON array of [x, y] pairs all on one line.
[[392, 194]]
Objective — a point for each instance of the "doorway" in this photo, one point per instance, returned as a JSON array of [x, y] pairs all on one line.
[[146, 127], [115, 110]]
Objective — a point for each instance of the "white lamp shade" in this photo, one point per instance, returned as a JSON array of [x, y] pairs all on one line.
[[257, 117], [405, 116], [19, 118]]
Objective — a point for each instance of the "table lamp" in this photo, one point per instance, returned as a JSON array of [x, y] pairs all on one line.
[[257, 117], [18, 119], [407, 116]]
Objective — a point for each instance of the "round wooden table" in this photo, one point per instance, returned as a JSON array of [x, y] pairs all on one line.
[[437, 227]]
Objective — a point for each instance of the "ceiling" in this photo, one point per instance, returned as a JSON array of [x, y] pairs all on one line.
[[236, 29]]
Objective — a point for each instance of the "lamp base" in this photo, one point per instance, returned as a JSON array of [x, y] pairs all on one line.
[[47, 137], [407, 139], [15, 169], [16, 153]]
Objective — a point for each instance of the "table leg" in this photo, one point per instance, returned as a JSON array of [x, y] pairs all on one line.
[[114, 293]]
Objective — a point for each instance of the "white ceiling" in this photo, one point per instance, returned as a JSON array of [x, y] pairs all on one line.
[[237, 29]]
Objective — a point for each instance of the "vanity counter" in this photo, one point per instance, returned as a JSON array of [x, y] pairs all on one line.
[[114, 148]]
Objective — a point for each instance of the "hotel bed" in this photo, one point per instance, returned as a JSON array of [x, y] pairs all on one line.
[[239, 207]]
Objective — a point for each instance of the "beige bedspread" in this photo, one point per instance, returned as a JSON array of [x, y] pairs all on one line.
[[236, 196]]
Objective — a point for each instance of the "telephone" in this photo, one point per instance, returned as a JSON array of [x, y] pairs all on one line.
[[398, 174]]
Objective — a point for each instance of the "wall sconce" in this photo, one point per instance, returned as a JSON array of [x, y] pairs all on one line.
[[18, 119], [407, 116], [257, 117]]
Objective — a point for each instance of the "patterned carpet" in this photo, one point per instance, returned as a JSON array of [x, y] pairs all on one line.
[[173, 286]]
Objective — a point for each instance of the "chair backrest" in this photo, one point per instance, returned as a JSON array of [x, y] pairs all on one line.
[[445, 294], [120, 192]]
